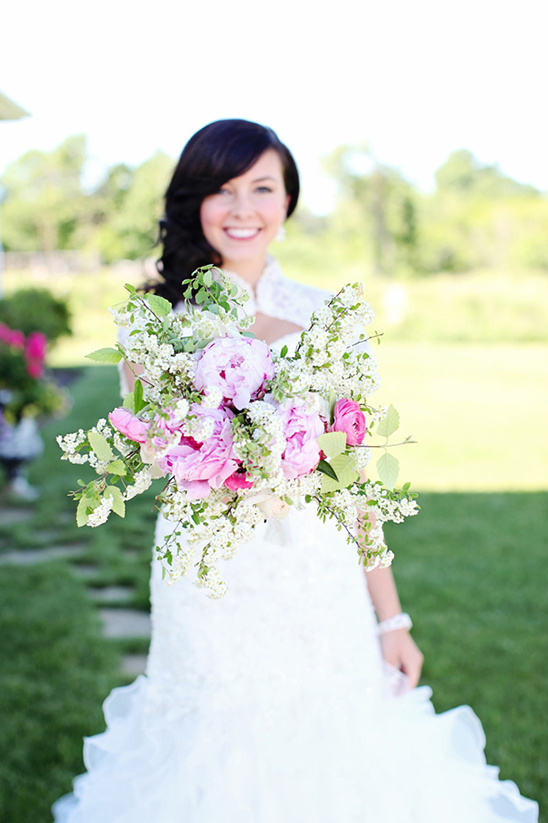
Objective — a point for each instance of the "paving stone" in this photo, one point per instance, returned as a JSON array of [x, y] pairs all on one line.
[[125, 623], [11, 516], [47, 535], [134, 664], [85, 570], [107, 594], [29, 557]]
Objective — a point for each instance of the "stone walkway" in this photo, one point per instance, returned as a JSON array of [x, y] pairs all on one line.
[[118, 623]]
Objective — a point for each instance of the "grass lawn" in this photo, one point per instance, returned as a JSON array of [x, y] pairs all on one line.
[[478, 414], [471, 569]]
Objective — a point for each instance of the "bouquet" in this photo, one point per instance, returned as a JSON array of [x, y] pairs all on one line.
[[239, 433], [25, 389]]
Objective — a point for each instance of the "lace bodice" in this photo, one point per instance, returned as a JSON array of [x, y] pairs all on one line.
[[277, 296]]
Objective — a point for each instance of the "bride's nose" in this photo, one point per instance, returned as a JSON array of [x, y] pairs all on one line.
[[242, 205]]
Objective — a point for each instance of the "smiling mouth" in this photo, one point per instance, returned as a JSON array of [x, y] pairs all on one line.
[[241, 234]]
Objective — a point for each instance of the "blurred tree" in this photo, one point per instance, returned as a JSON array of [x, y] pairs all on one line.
[[44, 204], [130, 207], [478, 217], [464, 173], [385, 202]]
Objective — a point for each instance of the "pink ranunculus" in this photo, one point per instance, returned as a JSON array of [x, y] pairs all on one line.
[[349, 418], [238, 480], [301, 428], [199, 467], [126, 423], [238, 366]]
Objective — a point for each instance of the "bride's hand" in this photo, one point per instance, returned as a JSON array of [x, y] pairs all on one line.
[[400, 650]]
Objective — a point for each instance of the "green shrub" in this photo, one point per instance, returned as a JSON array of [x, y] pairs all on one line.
[[34, 309]]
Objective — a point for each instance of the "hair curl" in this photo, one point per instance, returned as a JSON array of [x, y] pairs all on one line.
[[217, 153]]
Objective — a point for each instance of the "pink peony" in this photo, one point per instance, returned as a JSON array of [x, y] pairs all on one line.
[[301, 428], [199, 467], [126, 423], [349, 418], [238, 366]]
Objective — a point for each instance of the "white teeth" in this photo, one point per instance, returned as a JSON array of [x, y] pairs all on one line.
[[243, 233]]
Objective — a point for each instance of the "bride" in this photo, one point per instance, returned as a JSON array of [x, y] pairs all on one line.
[[292, 699]]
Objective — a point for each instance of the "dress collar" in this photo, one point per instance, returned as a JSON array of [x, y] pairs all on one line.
[[260, 298]]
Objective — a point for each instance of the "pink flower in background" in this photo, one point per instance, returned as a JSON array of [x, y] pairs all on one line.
[[301, 428], [238, 366], [12, 337], [199, 467], [126, 423], [36, 345], [349, 418], [35, 353]]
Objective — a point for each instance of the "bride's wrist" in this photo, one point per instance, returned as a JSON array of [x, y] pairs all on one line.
[[397, 621]]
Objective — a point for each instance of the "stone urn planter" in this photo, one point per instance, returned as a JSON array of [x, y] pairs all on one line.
[[20, 444]]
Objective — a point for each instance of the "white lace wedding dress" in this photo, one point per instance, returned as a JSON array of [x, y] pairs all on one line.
[[272, 704]]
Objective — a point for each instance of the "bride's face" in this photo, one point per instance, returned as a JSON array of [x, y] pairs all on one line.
[[242, 219]]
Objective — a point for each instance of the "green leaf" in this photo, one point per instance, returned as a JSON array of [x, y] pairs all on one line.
[[105, 356], [81, 512], [325, 468], [129, 402], [131, 289], [91, 495], [332, 443], [100, 446], [138, 402], [388, 468], [389, 424], [284, 351], [208, 278], [332, 401], [118, 467], [346, 472], [118, 505], [159, 305]]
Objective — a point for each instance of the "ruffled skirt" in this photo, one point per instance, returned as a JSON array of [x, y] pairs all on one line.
[[272, 706]]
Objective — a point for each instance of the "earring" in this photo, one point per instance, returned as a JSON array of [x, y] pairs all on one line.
[[281, 234]]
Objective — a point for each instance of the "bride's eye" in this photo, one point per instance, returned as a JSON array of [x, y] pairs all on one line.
[[264, 189]]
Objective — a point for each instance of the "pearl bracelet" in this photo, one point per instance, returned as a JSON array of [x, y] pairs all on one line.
[[399, 621]]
